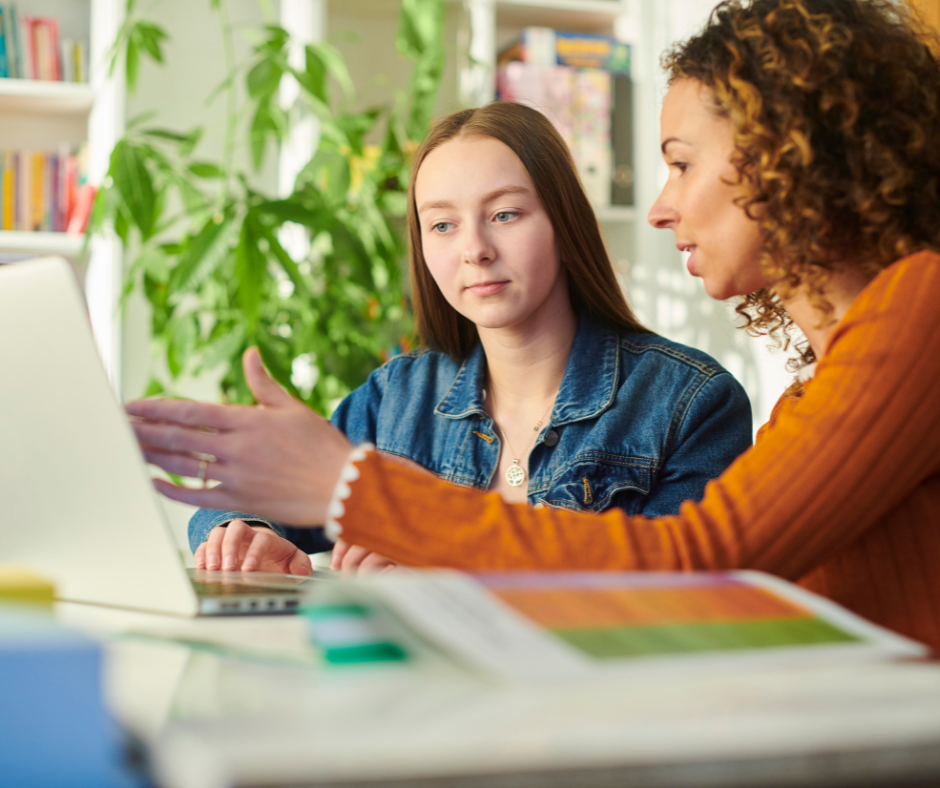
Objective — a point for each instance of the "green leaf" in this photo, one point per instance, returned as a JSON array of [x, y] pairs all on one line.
[[202, 253], [277, 38], [313, 78], [269, 120], [193, 199], [192, 140], [286, 263], [131, 65], [150, 37], [205, 169], [356, 126], [260, 128], [419, 26], [394, 203], [420, 37], [424, 84], [264, 78], [154, 387], [226, 349], [164, 134], [250, 270], [286, 210], [334, 64], [137, 120], [133, 181]]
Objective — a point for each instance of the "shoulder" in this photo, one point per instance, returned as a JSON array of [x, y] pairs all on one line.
[[680, 384], [413, 372], [900, 302], [912, 280], [656, 351], [420, 362]]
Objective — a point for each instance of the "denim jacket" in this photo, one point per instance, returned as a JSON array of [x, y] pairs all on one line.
[[640, 422]]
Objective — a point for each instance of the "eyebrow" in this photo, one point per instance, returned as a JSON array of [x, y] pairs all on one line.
[[493, 195], [671, 139]]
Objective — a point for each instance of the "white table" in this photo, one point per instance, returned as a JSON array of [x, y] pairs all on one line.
[[214, 716]]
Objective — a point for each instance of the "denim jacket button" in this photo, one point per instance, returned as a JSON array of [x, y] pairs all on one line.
[[551, 438]]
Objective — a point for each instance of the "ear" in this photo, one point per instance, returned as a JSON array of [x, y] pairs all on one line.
[[267, 391]]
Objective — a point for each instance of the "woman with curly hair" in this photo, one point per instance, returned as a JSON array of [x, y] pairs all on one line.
[[801, 138]]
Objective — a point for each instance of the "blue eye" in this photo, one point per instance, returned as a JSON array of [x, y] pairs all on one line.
[[440, 227], [505, 216]]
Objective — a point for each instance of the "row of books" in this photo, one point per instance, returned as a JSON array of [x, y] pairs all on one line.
[[45, 191], [581, 82], [30, 48]]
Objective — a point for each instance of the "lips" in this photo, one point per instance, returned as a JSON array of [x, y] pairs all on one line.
[[689, 249], [487, 288]]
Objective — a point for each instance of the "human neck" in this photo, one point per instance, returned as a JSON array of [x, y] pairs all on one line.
[[843, 287], [525, 366]]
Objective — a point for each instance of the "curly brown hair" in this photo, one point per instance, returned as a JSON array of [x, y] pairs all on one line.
[[835, 106]]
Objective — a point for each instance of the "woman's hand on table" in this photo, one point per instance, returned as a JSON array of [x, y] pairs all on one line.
[[278, 459], [351, 559], [250, 548]]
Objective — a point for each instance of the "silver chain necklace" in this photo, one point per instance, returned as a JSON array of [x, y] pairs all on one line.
[[515, 473]]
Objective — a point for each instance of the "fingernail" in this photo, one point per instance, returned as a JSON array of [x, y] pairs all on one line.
[[228, 564], [213, 564], [248, 565]]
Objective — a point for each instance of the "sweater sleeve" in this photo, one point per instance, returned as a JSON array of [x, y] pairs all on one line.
[[864, 434]]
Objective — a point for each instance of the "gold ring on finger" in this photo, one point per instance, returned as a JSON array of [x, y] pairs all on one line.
[[201, 475]]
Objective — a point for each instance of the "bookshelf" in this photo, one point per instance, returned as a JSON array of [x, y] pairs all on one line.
[[42, 115]]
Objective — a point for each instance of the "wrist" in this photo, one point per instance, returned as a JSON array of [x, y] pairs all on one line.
[[348, 473]]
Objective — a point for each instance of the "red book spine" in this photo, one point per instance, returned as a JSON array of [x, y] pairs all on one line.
[[55, 51]]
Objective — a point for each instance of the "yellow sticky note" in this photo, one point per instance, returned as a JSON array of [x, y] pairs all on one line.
[[19, 583]]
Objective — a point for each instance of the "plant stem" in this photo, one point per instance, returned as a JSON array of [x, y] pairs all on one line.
[[231, 101]]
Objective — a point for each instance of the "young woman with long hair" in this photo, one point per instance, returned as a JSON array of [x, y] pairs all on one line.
[[533, 378], [801, 138]]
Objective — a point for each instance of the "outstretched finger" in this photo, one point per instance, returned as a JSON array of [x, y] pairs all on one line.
[[174, 438], [199, 557], [207, 415], [266, 389]]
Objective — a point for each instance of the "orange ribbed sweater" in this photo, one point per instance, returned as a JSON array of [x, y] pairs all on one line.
[[840, 493]]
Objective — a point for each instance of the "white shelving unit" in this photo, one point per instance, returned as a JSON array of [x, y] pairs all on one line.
[[54, 98], [22, 244], [40, 115]]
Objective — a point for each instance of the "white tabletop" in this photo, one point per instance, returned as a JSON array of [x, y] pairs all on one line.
[[246, 702]]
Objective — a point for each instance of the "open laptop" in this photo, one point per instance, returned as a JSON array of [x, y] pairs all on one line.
[[76, 501]]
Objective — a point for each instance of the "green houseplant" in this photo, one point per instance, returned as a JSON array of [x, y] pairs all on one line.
[[206, 248]]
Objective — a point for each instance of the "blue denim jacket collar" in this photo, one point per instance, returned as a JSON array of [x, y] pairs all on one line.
[[587, 389]]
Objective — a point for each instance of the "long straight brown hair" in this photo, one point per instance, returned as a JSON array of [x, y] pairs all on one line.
[[592, 284]]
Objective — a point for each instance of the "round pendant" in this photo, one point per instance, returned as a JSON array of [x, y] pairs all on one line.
[[515, 475]]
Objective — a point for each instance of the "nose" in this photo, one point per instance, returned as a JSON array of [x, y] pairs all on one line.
[[478, 248], [662, 215]]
